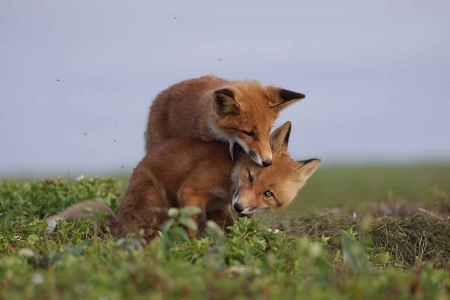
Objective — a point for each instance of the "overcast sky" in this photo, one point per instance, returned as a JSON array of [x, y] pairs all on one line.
[[376, 75]]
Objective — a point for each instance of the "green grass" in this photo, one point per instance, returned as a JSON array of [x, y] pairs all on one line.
[[350, 185], [314, 255]]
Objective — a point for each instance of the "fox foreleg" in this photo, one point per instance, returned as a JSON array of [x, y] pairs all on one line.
[[189, 197], [222, 217]]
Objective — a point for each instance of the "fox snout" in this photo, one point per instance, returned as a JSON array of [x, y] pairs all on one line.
[[267, 162], [239, 209], [262, 152], [237, 147], [259, 160]]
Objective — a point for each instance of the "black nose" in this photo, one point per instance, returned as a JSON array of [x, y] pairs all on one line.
[[267, 163], [238, 208]]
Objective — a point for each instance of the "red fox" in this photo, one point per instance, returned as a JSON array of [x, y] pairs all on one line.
[[198, 173], [215, 109]]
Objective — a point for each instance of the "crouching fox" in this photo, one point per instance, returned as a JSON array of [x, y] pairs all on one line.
[[190, 172]]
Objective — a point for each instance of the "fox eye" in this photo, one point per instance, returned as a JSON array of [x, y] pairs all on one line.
[[268, 194], [250, 177], [249, 133]]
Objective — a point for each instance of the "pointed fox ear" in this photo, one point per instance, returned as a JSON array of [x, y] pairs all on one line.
[[224, 102], [306, 168], [281, 98], [279, 138]]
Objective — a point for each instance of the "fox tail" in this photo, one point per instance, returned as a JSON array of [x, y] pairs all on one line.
[[86, 210]]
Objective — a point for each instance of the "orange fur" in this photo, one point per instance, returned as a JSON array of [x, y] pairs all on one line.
[[211, 108], [198, 173]]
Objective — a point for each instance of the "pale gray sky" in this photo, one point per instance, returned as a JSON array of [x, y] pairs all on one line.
[[376, 75]]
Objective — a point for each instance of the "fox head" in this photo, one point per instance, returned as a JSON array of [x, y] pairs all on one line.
[[245, 113], [272, 187]]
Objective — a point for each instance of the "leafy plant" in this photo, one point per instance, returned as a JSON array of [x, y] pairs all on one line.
[[314, 257]]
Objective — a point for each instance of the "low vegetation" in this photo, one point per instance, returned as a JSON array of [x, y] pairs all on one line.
[[323, 254]]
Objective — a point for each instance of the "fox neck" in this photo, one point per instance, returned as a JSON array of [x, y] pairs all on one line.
[[220, 135]]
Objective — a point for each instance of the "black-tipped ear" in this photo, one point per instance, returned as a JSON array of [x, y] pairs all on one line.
[[281, 98], [307, 167], [224, 102], [287, 95], [279, 138]]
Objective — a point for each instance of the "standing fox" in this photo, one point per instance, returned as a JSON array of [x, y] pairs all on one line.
[[191, 176], [215, 109]]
